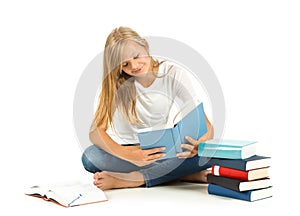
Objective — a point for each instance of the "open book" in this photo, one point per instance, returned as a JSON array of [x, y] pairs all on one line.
[[192, 123], [69, 194]]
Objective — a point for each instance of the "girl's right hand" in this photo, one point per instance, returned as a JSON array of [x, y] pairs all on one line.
[[139, 157]]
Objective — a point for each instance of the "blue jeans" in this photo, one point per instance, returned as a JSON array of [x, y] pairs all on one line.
[[95, 160]]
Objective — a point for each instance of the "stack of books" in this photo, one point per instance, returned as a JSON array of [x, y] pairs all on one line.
[[237, 172]]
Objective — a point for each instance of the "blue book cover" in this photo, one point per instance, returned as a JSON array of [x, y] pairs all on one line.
[[193, 124], [251, 195], [227, 143], [227, 148], [254, 162]]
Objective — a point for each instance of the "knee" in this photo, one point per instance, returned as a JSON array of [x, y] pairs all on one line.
[[88, 160]]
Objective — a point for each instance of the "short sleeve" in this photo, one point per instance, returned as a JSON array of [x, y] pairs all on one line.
[[186, 87]]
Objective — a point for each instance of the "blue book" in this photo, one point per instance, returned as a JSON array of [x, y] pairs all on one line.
[[251, 195], [193, 124], [254, 162], [226, 148]]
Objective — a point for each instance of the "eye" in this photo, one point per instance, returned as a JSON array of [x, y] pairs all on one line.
[[125, 64], [135, 57]]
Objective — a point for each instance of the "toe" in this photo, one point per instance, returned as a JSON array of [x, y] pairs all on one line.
[[97, 175]]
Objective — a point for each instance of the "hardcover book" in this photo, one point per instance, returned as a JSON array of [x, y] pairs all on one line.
[[254, 162], [251, 195], [68, 194], [238, 185], [240, 174], [192, 124], [227, 148]]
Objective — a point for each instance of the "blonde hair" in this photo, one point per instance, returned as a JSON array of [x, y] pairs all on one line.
[[118, 89]]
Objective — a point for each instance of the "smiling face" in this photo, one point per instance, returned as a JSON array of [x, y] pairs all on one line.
[[135, 60]]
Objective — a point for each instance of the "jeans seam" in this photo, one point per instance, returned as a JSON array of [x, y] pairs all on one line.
[[146, 178]]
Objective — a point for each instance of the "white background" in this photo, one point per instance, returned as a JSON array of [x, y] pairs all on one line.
[[252, 46]]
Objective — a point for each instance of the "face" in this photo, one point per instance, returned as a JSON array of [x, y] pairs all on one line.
[[136, 61]]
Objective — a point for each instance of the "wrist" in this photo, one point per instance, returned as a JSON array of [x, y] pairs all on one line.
[[122, 152]]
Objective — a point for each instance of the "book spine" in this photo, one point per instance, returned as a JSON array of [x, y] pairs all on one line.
[[225, 192], [177, 137], [234, 164], [217, 153], [229, 172], [233, 184]]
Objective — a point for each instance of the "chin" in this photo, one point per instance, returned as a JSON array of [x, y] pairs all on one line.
[[141, 74]]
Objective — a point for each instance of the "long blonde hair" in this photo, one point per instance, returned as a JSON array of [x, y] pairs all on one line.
[[118, 89]]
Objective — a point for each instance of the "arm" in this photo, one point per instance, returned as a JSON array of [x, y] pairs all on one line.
[[209, 134], [193, 145], [100, 138], [132, 154]]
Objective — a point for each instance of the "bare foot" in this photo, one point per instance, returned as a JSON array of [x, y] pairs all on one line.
[[109, 180], [199, 177]]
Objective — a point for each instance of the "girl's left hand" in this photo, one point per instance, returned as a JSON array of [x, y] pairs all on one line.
[[192, 147]]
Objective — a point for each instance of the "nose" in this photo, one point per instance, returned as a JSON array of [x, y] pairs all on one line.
[[134, 64]]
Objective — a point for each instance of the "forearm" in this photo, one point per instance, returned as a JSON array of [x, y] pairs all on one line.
[[209, 134], [132, 154], [100, 138], [210, 131]]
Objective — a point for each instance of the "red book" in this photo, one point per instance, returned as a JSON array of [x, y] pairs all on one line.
[[240, 174]]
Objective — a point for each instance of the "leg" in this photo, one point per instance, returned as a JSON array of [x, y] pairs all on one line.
[[176, 168], [122, 174], [95, 160], [109, 180], [198, 177], [110, 171], [192, 169]]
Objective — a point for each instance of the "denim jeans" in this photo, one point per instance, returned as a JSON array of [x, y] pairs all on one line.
[[95, 159]]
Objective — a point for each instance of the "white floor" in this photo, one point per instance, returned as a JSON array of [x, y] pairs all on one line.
[[174, 198]]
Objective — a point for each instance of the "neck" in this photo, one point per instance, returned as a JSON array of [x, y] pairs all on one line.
[[149, 78]]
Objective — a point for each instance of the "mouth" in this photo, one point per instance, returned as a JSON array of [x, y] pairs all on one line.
[[138, 70]]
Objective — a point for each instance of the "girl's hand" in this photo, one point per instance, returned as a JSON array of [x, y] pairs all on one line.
[[139, 157], [192, 147]]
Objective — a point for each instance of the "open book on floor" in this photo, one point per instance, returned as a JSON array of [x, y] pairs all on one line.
[[68, 194], [192, 124]]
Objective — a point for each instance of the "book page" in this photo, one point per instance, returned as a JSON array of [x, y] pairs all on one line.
[[36, 189], [70, 194], [158, 127], [80, 193]]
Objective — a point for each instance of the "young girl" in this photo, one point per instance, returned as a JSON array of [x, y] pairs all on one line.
[[137, 92]]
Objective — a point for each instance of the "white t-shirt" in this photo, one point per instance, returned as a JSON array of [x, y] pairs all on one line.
[[172, 89]]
